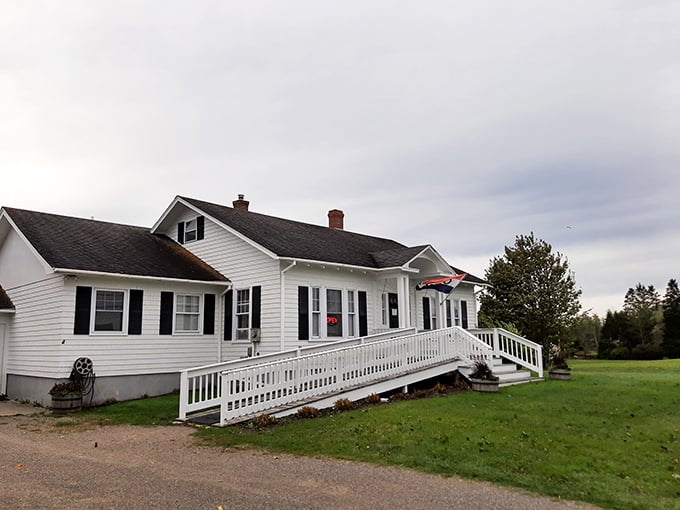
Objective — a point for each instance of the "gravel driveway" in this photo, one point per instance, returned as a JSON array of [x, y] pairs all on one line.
[[76, 467]]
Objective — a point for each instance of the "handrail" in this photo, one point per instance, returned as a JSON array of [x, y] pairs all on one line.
[[265, 386], [200, 387], [513, 347]]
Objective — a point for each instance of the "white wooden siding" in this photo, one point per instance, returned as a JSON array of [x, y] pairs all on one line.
[[330, 278], [18, 264], [37, 330], [245, 266]]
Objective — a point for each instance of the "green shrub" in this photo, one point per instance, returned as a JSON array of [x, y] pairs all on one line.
[[619, 353]]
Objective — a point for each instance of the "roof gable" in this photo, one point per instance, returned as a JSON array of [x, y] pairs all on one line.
[[5, 301], [78, 244]]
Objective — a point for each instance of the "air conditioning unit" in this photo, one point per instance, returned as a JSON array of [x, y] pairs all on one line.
[[255, 335]]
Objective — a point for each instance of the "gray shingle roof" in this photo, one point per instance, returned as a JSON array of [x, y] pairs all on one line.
[[5, 301], [294, 239], [288, 238], [88, 245]]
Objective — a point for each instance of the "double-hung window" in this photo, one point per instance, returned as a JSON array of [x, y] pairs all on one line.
[[334, 312], [190, 231], [351, 313], [187, 313], [109, 310], [243, 314], [316, 312]]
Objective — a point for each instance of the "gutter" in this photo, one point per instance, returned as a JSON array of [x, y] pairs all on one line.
[[84, 272]]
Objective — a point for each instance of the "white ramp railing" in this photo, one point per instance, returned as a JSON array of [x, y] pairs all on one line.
[[262, 387], [200, 387], [513, 347]]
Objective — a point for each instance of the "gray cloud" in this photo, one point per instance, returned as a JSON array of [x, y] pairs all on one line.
[[454, 123]]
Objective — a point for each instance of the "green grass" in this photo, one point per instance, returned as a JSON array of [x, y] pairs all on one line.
[[148, 411], [610, 436]]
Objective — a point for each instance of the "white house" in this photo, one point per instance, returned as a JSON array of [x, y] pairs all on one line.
[[206, 283]]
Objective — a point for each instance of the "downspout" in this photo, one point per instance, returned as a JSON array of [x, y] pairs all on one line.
[[282, 322], [220, 335]]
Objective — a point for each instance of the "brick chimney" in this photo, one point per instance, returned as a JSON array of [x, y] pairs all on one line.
[[336, 219], [241, 203]]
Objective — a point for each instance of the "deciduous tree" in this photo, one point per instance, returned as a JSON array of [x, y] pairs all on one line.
[[534, 289]]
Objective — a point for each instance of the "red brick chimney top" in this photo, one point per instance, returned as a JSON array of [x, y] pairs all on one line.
[[336, 219], [241, 203]]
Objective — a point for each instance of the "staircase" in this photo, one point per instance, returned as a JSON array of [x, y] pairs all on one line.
[[509, 374]]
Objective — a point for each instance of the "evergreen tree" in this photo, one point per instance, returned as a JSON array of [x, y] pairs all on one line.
[[641, 305], [616, 334], [534, 289], [671, 320]]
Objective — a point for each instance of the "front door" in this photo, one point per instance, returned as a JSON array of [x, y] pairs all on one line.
[[3, 389], [393, 309]]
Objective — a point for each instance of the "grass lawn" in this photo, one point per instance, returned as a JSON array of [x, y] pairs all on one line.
[[610, 436]]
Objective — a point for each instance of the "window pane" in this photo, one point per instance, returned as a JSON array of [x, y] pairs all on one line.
[[108, 321], [108, 314], [190, 230], [187, 310], [334, 301], [186, 322]]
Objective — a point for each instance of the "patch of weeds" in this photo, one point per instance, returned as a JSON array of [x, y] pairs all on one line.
[[343, 404], [440, 388], [263, 421], [372, 399], [400, 396], [308, 412]]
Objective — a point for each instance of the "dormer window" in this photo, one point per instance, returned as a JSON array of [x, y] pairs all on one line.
[[190, 230]]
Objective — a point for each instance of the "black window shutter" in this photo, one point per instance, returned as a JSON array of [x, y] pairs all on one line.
[[135, 312], [426, 313], [303, 313], [209, 314], [166, 313], [463, 314], [363, 314], [256, 313], [180, 232], [200, 227], [81, 323], [228, 314]]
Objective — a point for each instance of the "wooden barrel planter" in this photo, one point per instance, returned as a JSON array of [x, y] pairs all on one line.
[[67, 404], [484, 385], [559, 374]]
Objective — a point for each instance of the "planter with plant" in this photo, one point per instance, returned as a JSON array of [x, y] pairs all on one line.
[[558, 368], [482, 378], [67, 397]]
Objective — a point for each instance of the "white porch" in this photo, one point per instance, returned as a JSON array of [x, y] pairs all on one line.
[[280, 383]]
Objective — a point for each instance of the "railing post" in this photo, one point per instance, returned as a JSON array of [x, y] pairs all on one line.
[[496, 342], [183, 394]]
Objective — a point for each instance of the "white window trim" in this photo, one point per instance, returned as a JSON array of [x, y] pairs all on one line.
[[93, 312], [323, 312], [352, 317], [434, 315], [182, 332], [234, 322]]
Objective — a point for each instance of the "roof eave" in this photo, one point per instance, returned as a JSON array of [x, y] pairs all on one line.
[[84, 272]]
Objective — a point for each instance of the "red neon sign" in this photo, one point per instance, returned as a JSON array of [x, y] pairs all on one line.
[[332, 321]]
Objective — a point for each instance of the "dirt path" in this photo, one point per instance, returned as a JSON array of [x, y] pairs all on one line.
[[125, 467]]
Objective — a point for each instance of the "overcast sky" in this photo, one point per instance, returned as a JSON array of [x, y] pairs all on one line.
[[453, 123]]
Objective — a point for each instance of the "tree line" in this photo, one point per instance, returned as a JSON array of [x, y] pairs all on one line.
[[533, 292]]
